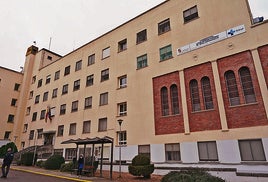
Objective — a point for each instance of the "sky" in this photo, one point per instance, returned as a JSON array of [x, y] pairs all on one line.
[[68, 23]]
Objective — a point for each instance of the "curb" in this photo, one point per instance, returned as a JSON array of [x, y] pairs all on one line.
[[51, 175]]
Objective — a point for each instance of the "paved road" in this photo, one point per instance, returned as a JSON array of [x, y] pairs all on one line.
[[19, 176]]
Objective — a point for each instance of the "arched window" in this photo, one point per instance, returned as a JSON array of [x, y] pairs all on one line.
[[247, 85], [174, 99], [195, 95], [207, 95], [164, 101], [232, 88]]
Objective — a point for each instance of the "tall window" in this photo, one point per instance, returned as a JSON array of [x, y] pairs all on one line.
[[105, 52], [78, 65], [48, 79], [122, 81], [10, 118], [173, 152], [39, 133], [122, 45], [34, 117], [207, 151], [165, 53], [55, 93], [86, 126], [65, 89], [60, 130], [122, 109], [67, 70], [62, 109], [16, 87], [164, 101], [195, 95], [144, 150], [232, 88], [163, 26], [13, 102], [103, 98], [57, 75], [91, 59], [142, 61], [122, 138], [72, 130], [88, 102], [45, 96], [31, 95], [75, 106], [251, 150], [102, 124], [207, 95], [90, 80], [246, 81], [141, 36], [174, 99], [76, 85], [25, 128], [39, 84], [7, 135], [31, 135], [104, 75], [37, 99], [190, 14], [43, 114]]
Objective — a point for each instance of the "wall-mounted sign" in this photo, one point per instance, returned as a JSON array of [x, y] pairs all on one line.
[[211, 39]]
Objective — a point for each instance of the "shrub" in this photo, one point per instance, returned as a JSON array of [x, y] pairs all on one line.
[[190, 176], [54, 162], [141, 166], [27, 158], [3, 149], [40, 163], [67, 167]]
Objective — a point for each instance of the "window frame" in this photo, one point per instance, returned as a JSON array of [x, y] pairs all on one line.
[[76, 85], [88, 102], [90, 80], [72, 129], [208, 147], [166, 55], [64, 89], [142, 61], [122, 45], [172, 155], [122, 109], [62, 109], [194, 94], [105, 75], [67, 70], [60, 130], [141, 36], [102, 124], [164, 26], [207, 93], [103, 99], [91, 59], [260, 149], [191, 16], [106, 52], [88, 128], [74, 106], [78, 65]]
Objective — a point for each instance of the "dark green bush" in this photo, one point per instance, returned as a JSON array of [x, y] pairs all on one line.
[[54, 162], [40, 163], [27, 159], [67, 167], [3, 149], [141, 166], [190, 176]]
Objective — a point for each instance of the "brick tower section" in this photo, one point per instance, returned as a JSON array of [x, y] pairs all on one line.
[[263, 52]]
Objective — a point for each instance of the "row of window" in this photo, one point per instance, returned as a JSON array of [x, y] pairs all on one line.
[[170, 95]]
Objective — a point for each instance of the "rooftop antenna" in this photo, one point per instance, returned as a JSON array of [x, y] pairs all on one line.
[[49, 43]]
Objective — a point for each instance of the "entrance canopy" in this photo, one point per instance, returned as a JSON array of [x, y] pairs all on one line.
[[94, 141]]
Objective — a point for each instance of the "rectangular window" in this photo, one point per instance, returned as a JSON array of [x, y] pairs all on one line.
[[104, 75], [33, 79], [55, 93], [65, 89], [67, 70], [72, 130], [122, 109], [164, 26], [17, 87], [25, 128], [144, 150], [39, 133], [7, 135], [45, 96], [141, 36], [173, 152], [34, 117], [102, 124], [122, 45], [10, 118], [142, 61], [43, 114], [86, 126], [62, 109], [37, 99], [39, 83], [207, 151], [31, 136], [57, 75], [122, 138], [103, 98], [13, 102], [88, 102], [105, 52], [31, 95], [190, 14], [91, 59], [75, 106], [70, 153], [60, 130], [165, 53], [122, 81], [48, 79], [76, 85], [28, 110], [90, 80], [78, 65], [251, 150]]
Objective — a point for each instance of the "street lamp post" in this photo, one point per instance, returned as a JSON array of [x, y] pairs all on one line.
[[120, 123]]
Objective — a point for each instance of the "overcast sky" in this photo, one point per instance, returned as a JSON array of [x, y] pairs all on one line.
[[70, 23]]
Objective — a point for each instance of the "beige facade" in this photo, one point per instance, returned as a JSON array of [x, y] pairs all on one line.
[[119, 74]]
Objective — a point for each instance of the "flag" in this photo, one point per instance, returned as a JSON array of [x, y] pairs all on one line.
[[48, 114]]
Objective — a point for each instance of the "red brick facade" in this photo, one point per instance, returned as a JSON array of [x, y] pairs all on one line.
[[203, 119], [263, 52], [170, 123], [243, 115]]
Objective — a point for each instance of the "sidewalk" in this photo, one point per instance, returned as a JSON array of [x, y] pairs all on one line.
[[125, 177]]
